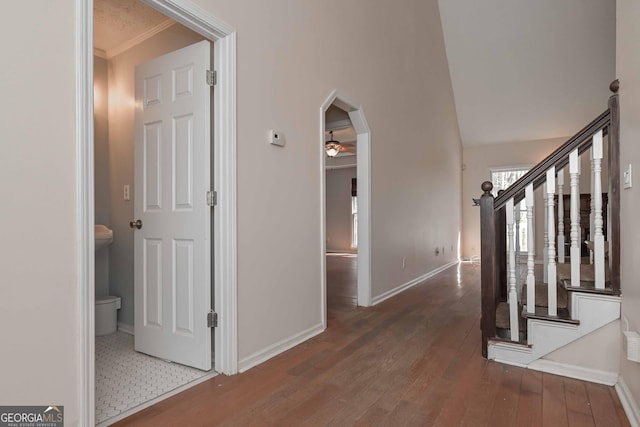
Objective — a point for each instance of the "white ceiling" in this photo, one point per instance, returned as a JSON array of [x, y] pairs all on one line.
[[528, 69], [115, 22]]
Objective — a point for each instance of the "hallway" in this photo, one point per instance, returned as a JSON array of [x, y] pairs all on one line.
[[411, 360], [342, 281]]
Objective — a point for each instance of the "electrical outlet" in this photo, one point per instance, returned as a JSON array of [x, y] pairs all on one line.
[[127, 192], [632, 345]]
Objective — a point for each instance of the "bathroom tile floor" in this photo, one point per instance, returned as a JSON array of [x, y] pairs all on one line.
[[126, 378]]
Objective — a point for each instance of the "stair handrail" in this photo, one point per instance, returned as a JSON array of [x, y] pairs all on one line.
[[559, 158]]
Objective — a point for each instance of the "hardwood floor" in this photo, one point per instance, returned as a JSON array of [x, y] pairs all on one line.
[[342, 279], [411, 360]]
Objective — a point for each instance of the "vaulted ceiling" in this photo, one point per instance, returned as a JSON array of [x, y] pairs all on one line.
[[520, 69], [528, 69]]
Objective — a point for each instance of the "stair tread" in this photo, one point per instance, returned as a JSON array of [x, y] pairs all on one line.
[[541, 314], [589, 286], [496, 340]]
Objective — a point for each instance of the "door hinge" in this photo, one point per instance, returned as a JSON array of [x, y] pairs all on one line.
[[212, 198], [212, 77], [212, 319]]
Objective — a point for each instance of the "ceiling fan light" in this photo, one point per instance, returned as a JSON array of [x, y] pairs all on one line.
[[331, 149]]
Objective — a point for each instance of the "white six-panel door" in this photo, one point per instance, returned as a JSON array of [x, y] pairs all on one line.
[[172, 176]]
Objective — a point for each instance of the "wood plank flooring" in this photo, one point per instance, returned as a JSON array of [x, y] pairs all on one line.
[[412, 360]]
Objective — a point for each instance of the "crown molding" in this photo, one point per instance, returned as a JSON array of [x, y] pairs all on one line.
[[99, 53], [110, 53]]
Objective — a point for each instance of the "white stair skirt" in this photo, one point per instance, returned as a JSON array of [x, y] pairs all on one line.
[[593, 311]]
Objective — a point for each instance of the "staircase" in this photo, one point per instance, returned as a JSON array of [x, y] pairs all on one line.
[[529, 310]]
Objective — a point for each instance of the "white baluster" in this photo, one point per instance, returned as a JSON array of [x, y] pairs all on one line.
[[598, 237], [574, 172], [545, 242], [551, 284], [607, 240], [592, 206], [513, 295], [516, 217], [561, 216], [531, 278]]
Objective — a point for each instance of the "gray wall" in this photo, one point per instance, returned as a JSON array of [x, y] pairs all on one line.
[[338, 205], [291, 56], [628, 70], [120, 159], [39, 262], [101, 164], [283, 79]]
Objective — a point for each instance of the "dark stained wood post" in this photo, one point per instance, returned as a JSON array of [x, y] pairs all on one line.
[[614, 185], [500, 216], [487, 265]]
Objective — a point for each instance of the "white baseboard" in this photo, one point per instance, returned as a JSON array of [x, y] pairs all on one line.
[[410, 284], [574, 371], [126, 328], [628, 403], [277, 348]]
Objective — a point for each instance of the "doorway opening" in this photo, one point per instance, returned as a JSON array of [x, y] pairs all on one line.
[[345, 204], [223, 165]]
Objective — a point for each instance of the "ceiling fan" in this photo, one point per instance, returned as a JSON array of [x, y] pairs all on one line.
[[333, 147]]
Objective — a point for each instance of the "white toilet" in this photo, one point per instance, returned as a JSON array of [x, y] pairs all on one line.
[[107, 314], [106, 306]]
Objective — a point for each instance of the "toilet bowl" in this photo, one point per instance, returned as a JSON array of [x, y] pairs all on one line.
[[107, 314]]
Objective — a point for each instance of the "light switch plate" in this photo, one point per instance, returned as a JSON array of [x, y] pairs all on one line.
[[127, 192], [626, 179]]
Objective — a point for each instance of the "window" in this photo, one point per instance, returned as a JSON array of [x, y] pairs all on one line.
[[502, 179]]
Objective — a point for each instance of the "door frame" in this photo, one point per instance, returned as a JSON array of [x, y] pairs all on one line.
[[363, 166], [224, 172]]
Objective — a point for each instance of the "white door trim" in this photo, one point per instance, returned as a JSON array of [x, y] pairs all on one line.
[[363, 164], [85, 209], [225, 218]]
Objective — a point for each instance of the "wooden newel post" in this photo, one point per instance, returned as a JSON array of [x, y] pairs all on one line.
[[614, 186], [487, 265], [500, 239]]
